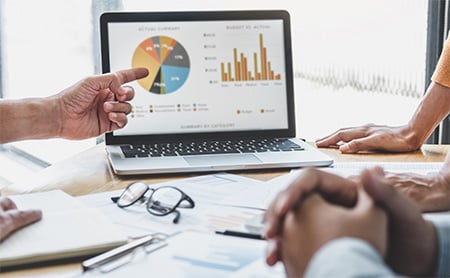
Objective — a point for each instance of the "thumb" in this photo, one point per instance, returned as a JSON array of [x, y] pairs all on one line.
[[365, 202], [18, 219]]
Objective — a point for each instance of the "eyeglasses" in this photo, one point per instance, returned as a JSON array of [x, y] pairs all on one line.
[[163, 200]]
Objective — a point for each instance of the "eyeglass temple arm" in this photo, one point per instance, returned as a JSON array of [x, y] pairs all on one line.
[[189, 200]]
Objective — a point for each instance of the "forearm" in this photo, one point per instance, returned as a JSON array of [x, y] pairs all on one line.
[[430, 112], [33, 118]]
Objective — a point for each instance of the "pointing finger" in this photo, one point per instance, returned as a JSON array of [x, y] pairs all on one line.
[[121, 77]]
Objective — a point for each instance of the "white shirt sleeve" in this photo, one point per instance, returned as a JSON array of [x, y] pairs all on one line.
[[348, 257], [443, 233]]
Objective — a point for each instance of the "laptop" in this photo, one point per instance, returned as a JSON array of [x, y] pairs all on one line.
[[219, 95]]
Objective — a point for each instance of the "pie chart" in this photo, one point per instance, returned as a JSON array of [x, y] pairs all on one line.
[[167, 62]]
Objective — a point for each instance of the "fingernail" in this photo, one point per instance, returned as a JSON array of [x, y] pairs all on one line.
[[108, 106], [344, 148], [113, 116], [379, 171], [271, 245]]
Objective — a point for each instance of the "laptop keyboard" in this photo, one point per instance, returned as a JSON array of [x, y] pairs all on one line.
[[210, 147]]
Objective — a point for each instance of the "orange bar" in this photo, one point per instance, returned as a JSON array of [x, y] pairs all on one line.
[[238, 72], [225, 77], [265, 64], [278, 77], [242, 69], [236, 68], [222, 70], [246, 68], [230, 76], [261, 53], [255, 62], [269, 71]]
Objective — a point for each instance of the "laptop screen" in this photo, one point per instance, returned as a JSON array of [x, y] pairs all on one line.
[[207, 74]]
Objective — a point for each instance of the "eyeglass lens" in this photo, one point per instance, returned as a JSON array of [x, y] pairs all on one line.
[[163, 200], [132, 193]]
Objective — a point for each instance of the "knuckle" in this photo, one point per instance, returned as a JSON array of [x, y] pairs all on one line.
[[310, 171], [341, 134], [354, 144], [88, 80], [6, 202]]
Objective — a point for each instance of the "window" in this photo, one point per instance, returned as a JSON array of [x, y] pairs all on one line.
[[438, 28], [355, 61], [43, 53]]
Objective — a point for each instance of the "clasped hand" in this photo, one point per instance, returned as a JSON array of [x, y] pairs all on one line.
[[319, 207]]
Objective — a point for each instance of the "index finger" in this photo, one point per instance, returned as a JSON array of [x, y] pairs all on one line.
[[342, 135], [121, 77]]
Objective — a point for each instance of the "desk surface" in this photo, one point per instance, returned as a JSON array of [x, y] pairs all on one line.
[[89, 172]]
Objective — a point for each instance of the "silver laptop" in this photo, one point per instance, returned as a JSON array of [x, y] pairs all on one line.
[[219, 95]]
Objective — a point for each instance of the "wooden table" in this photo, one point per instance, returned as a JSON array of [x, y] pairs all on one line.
[[89, 172]]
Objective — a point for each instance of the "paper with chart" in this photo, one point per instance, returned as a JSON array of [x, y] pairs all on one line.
[[422, 168], [191, 254], [210, 193]]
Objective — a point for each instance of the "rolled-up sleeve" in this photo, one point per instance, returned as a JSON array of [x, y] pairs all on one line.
[[441, 74], [347, 257]]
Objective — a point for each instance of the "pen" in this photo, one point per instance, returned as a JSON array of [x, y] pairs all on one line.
[[156, 242], [240, 234]]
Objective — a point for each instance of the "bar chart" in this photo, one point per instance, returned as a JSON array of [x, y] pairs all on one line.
[[240, 68]]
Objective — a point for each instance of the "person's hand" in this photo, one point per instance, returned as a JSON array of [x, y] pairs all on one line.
[[412, 247], [334, 188], [12, 219], [369, 138], [430, 192], [412, 240], [97, 104], [316, 222]]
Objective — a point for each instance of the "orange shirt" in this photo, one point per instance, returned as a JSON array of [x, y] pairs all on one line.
[[441, 74]]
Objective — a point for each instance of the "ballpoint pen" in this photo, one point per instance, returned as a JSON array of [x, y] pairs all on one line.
[[240, 234], [153, 241]]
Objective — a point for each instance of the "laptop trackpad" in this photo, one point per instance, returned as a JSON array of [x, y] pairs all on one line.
[[229, 159]]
